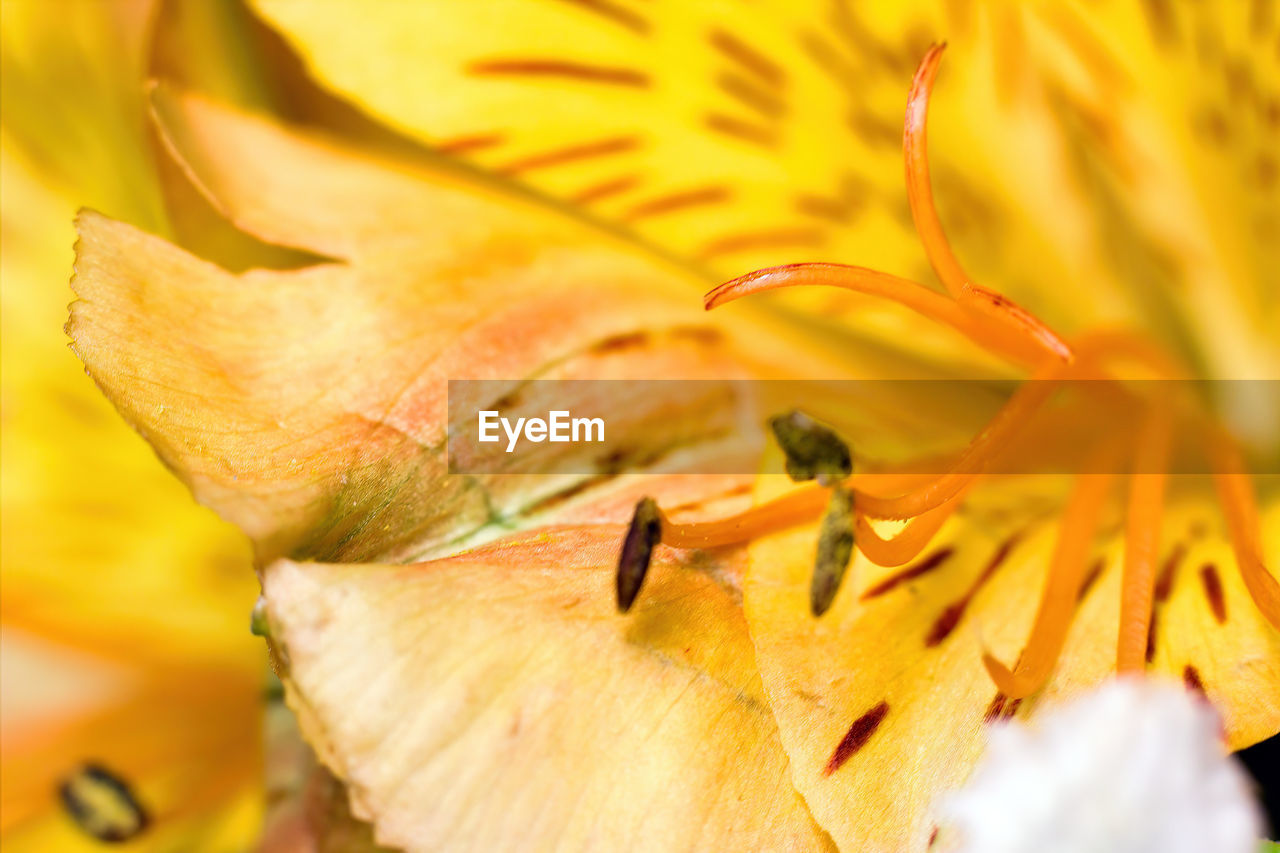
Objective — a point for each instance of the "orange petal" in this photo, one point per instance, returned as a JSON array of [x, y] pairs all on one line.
[[310, 408]]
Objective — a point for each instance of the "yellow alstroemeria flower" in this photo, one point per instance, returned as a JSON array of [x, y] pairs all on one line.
[[490, 697], [132, 701]]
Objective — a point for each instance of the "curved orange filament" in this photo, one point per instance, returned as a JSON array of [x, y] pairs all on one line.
[[1024, 403], [990, 319], [806, 505], [979, 302], [1120, 345], [1090, 353], [794, 508], [1142, 540], [1005, 315], [800, 506], [1235, 494], [998, 325], [1066, 574], [919, 189], [905, 545]]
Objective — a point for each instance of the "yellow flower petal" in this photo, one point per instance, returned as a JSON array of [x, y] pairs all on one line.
[[1118, 146], [732, 137], [1208, 631], [706, 126], [881, 702], [100, 547], [1169, 118], [510, 705], [72, 100]]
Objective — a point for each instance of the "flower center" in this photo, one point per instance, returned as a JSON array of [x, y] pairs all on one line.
[[847, 501]]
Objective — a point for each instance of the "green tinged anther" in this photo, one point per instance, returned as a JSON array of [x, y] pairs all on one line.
[[813, 451], [637, 549], [835, 549]]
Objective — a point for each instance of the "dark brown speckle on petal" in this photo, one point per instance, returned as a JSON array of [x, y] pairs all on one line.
[[1213, 592], [856, 738]]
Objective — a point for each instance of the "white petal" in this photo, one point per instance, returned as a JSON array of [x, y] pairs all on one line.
[[1135, 766]]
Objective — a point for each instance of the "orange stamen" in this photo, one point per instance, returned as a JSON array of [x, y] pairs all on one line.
[[994, 437], [919, 189], [1066, 574], [1142, 540], [1006, 315], [1090, 352], [797, 507], [923, 498], [1000, 326], [1235, 494], [792, 509], [972, 299], [1119, 345], [905, 545]]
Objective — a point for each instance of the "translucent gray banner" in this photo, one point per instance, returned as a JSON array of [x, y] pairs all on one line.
[[593, 427]]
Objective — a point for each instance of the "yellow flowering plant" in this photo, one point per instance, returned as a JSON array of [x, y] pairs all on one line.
[[349, 205]]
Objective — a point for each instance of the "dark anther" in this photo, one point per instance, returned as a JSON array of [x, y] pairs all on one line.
[[645, 532], [813, 451], [835, 549], [102, 805]]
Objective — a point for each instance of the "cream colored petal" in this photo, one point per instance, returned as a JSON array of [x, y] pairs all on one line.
[[497, 699]]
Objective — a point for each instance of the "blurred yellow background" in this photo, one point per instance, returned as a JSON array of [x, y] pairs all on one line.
[[125, 632]]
